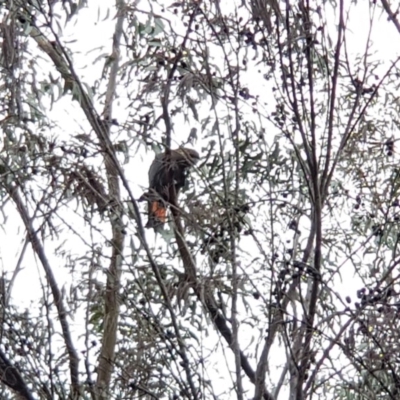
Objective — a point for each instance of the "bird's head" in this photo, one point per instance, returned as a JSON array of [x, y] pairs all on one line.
[[190, 155]]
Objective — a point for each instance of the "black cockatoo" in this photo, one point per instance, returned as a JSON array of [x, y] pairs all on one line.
[[168, 168]]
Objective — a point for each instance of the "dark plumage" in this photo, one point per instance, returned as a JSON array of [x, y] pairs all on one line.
[[166, 170]]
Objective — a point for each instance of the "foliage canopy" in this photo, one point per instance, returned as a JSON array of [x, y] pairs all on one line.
[[276, 276]]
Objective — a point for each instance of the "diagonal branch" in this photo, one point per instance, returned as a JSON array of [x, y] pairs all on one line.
[[207, 298], [58, 301], [12, 378], [63, 64], [391, 14]]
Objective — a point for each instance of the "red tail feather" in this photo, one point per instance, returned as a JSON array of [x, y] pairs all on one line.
[[158, 211]]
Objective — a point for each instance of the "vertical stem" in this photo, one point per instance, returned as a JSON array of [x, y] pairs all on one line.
[[111, 314]]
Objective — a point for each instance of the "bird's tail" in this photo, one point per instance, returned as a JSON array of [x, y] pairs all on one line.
[[157, 214]]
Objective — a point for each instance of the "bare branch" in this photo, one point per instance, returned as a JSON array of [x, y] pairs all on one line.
[[111, 316], [58, 301], [11, 377]]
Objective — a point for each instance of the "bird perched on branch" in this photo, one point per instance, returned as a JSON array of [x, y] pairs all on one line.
[[167, 175]]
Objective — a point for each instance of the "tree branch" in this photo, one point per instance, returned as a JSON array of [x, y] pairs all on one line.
[[208, 300], [111, 316], [58, 301], [11, 377], [391, 14]]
